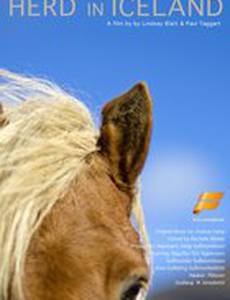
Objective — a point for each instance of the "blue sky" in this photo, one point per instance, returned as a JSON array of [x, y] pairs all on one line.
[[187, 70]]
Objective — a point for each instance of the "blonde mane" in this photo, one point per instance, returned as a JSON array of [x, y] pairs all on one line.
[[42, 150]]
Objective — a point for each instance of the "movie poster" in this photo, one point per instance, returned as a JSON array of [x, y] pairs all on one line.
[[172, 55]]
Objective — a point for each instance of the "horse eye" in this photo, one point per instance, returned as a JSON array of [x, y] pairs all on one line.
[[132, 292]]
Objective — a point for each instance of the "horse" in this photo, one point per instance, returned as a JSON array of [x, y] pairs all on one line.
[[71, 219]]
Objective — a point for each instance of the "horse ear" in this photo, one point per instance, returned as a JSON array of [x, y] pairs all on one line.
[[125, 134]]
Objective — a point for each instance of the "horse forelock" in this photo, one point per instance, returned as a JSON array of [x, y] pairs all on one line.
[[42, 150]]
